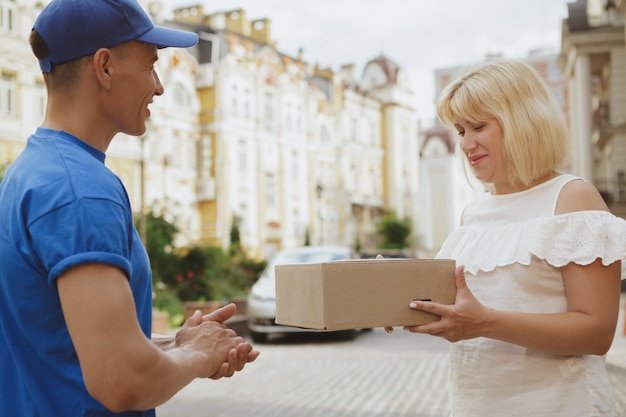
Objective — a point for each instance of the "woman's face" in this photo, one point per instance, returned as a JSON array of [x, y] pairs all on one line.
[[483, 146]]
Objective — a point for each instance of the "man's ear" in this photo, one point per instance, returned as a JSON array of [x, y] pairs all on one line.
[[103, 66]]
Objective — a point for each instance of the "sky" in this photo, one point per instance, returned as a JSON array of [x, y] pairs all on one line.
[[419, 35]]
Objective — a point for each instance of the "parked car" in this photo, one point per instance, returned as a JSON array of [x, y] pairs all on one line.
[[386, 253], [261, 307]]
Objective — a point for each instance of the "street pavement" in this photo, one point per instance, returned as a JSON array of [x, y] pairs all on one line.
[[373, 375], [376, 374]]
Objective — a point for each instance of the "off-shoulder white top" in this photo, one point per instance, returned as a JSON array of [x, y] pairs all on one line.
[[512, 247]]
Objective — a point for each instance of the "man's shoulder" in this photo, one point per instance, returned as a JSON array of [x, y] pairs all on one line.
[[49, 175]]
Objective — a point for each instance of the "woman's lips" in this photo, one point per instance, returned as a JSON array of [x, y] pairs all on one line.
[[476, 159]]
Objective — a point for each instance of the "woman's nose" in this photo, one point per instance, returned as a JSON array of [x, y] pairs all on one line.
[[467, 143]]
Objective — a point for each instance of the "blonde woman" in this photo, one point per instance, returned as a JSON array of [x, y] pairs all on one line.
[[538, 259]]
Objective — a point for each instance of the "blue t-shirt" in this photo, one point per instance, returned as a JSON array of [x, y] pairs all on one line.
[[60, 207]]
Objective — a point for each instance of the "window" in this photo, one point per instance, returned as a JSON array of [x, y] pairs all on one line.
[[246, 103], [354, 175], [7, 16], [324, 136], [182, 98], [554, 74], [288, 118], [299, 119], [190, 153], [8, 87], [268, 110], [235, 102], [373, 135], [270, 190], [242, 158], [295, 166], [557, 93], [406, 137]]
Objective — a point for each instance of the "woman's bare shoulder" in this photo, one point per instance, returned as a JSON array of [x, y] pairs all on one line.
[[579, 195]]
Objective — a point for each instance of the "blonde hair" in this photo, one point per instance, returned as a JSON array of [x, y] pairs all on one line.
[[535, 135]]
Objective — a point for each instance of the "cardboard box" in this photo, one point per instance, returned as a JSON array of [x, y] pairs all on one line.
[[358, 294]]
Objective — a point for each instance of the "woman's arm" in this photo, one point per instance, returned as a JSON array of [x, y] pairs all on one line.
[[587, 327]]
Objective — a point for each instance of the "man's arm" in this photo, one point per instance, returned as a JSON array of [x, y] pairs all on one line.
[[122, 368]]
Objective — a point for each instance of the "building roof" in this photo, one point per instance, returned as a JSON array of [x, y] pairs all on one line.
[[389, 67], [443, 134]]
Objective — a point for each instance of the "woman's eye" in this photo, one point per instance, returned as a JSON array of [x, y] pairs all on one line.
[[479, 127], [461, 133]]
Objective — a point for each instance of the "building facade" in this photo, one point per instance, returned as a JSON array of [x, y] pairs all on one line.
[[22, 92], [593, 58], [292, 151], [246, 135]]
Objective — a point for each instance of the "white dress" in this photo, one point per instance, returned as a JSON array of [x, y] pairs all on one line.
[[512, 247]]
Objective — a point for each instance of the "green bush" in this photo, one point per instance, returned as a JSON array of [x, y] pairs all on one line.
[[395, 233], [196, 273], [164, 299], [239, 275]]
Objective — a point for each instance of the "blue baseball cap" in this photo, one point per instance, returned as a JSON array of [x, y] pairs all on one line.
[[75, 28]]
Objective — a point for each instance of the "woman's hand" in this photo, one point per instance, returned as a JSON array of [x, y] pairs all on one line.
[[467, 318]]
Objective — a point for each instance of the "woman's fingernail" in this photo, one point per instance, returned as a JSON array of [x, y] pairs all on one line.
[[413, 305]]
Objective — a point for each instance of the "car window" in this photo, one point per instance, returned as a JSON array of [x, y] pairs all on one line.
[[303, 257], [294, 258]]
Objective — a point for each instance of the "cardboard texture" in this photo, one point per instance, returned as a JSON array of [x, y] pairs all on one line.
[[358, 294]]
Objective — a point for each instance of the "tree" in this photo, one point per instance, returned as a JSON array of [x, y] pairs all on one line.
[[394, 232], [160, 235], [235, 235]]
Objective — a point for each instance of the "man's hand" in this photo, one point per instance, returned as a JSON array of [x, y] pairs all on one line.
[[237, 355]]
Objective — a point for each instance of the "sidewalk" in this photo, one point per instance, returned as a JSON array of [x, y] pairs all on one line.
[[617, 354]]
